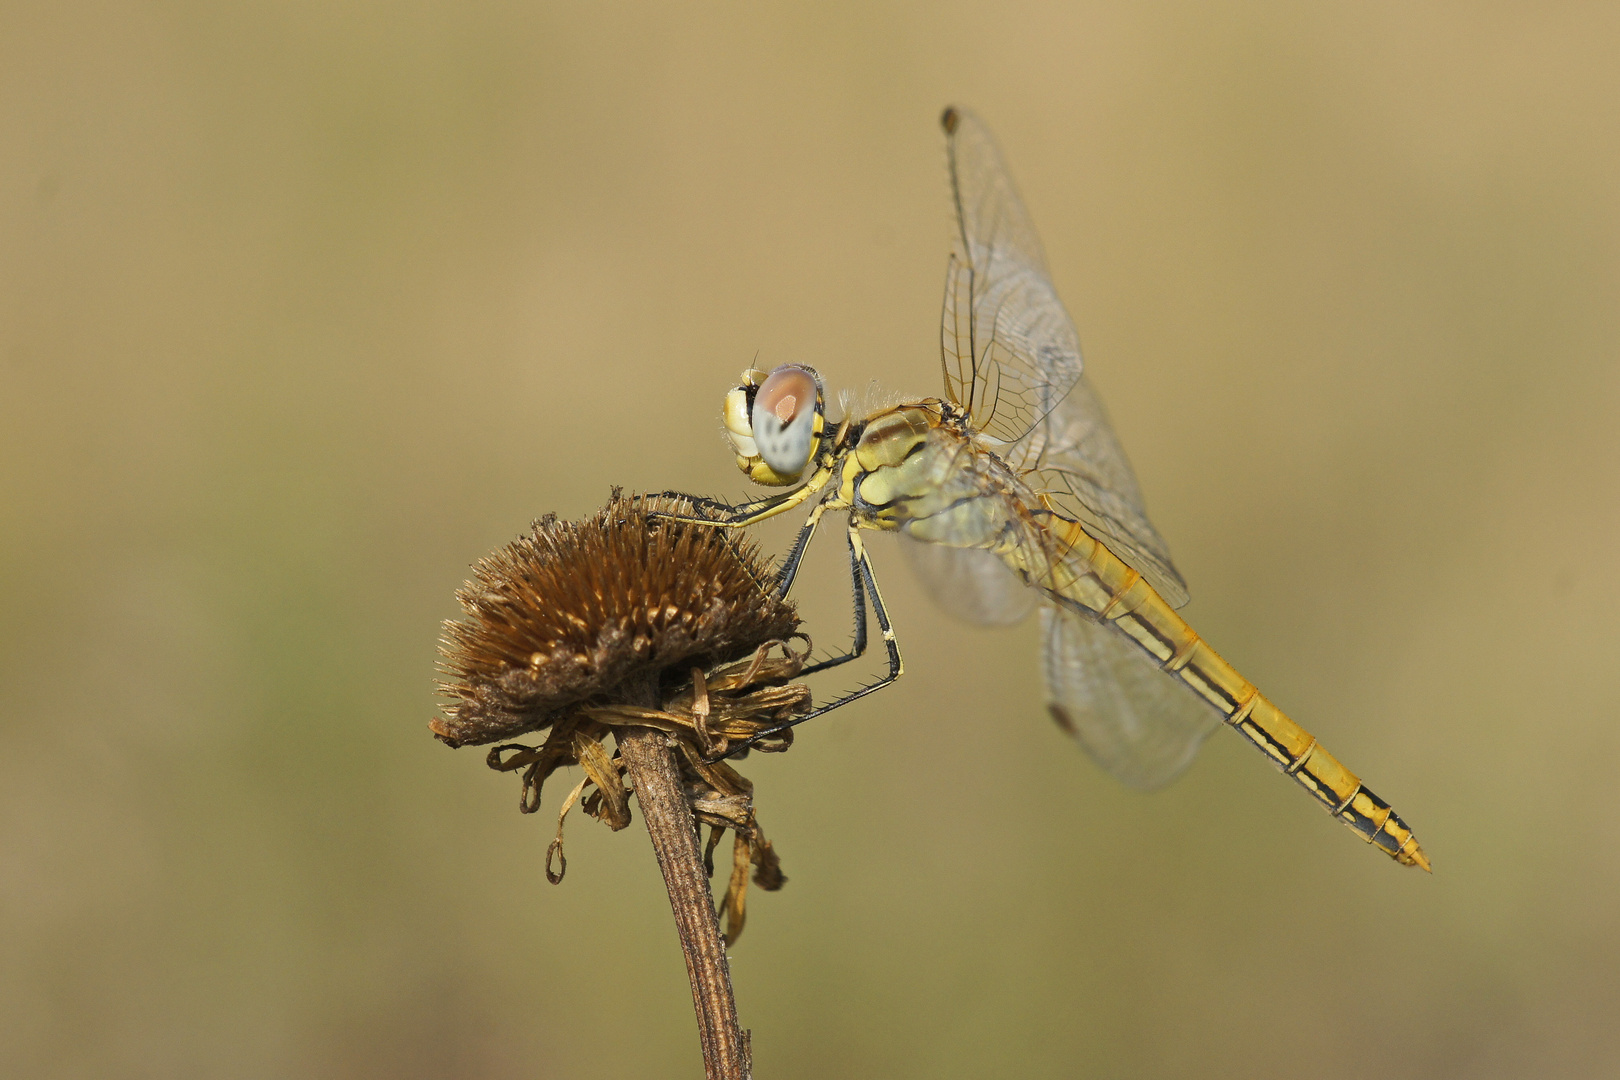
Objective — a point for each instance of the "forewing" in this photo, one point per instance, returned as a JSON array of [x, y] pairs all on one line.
[[969, 583], [1009, 350], [1140, 724], [1011, 357]]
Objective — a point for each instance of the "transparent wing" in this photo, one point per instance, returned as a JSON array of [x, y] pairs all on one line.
[[1011, 357], [1008, 348], [1140, 724], [969, 583], [1078, 464]]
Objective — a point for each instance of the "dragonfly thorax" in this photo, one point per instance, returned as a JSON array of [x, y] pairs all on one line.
[[913, 470]]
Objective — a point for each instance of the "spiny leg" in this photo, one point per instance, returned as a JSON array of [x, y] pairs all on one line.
[[858, 647], [718, 506], [795, 555], [702, 502], [746, 514], [862, 563]]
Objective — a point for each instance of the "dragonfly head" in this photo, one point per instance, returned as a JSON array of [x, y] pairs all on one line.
[[776, 423]]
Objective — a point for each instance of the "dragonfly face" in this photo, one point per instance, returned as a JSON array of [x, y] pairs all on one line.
[[1016, 493]]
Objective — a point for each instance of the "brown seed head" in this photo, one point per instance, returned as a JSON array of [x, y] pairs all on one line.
[[575, 612]]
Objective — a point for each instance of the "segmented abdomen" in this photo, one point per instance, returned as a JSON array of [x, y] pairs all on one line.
[[1077, 568]]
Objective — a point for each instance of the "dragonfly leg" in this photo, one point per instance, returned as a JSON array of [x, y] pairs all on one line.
[[862, 565], [702, 502], [746, 514], [795, 556], [717, 506], [858, 646]]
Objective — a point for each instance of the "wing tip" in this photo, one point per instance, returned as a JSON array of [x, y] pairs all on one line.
[[949, 119]]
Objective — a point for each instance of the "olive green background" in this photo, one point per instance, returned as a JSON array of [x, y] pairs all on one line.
[[304, 307]]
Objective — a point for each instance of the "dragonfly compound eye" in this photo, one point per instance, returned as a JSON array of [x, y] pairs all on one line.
[[786, 409]]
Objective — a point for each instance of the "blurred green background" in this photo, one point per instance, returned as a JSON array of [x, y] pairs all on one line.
[[305, 307]]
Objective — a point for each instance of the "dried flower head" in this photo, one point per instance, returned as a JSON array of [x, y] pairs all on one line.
[[616, 621], [577, 611]]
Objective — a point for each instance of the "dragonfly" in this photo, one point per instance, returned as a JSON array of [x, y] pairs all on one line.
[[1013, 492]]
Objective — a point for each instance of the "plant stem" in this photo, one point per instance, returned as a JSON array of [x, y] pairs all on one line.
[[651, 765]]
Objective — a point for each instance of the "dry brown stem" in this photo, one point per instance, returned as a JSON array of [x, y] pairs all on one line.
[[650, 762]]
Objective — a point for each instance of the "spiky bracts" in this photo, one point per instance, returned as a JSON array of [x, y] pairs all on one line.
[[576, 610]]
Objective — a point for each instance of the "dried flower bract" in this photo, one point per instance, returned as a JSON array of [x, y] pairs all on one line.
[[580, 628]]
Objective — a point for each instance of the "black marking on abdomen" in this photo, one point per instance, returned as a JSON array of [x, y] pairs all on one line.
[[1153, 632], [1370, 826], [1231, 703], [1270, 747]]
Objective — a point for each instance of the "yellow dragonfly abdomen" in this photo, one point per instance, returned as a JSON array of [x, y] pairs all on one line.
[[1090, 575]]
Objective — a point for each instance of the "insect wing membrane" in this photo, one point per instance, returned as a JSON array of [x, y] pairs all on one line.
[[1083, 470], [1140, 724], [969, 583], [1000, 307], [1012, 358]]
